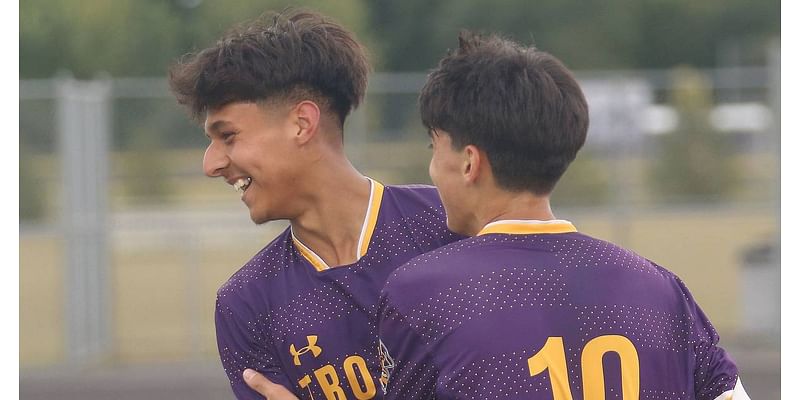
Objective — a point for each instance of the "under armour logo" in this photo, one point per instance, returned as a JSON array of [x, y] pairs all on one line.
[[312, 347]]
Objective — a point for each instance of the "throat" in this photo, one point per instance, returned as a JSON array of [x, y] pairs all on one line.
[[323, 253], [339, 235], [337, 256]]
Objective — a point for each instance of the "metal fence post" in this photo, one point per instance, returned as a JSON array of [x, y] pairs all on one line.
[[84, 129]]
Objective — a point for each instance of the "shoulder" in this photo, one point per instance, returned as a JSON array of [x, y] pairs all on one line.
[[414, 196], [578, 249], [417, 210], [261, 270], [429, 272], [607, 259]]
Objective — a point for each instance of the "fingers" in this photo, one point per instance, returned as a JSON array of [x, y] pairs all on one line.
[[265, 387], [256, 381]]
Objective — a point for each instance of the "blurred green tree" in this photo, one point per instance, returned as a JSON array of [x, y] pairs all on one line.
[[586, 183], [139, 37], [585, 34], [694, 160]]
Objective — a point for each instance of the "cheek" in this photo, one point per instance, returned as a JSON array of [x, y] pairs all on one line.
[[436, 169]]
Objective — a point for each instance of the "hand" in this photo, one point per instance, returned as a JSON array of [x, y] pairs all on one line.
[[265, 387]]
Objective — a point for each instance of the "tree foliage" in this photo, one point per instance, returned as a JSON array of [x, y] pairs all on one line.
[[586, 34], [141, 37], [138, 37], [692, 160]]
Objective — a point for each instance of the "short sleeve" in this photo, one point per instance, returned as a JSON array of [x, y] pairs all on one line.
[[243, 344], [715, 372]]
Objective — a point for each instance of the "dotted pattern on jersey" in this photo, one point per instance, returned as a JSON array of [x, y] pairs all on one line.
[[409, 235], [502, 289], [414, 224], [572, 252], [267, 263], [412, 381], [493, 375], [647, 328], [584, 253], [236, 361], [651, 329], [323, 303], [662, 395], [333, 299], [711, 389]]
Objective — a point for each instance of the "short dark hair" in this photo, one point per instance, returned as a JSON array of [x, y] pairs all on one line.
[[284, 56], [520, 105]]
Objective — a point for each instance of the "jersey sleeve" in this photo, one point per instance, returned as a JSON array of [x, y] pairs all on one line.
[[242, 345], [407, 369], [716, 375]]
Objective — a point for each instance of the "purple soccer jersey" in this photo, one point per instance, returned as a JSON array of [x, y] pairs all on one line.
[[312, 328], [536, 310]]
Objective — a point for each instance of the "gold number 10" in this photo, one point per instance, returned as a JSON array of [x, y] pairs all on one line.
[[552, 358]]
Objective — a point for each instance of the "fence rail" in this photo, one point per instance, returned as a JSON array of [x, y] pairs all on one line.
[[142, 241]]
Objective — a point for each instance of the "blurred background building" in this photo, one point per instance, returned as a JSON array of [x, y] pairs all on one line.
[[123, 241]]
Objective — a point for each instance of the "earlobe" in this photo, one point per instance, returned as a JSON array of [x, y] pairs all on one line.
[[472, 163]]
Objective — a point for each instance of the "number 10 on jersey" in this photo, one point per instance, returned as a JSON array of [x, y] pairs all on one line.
[[552, 358]]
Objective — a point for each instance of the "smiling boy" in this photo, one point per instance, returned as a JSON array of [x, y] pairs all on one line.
[[273, 96]]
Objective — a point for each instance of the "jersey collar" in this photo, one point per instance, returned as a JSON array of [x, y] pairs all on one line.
[[527, 227], [367, 229]]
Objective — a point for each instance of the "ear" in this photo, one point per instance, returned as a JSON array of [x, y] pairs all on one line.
[[474, 160], [306, 117]]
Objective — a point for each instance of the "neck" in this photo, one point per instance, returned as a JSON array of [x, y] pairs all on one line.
[[504, 205], [333, 207]]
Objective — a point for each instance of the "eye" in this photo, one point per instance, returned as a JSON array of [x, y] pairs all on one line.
[[227, 137]]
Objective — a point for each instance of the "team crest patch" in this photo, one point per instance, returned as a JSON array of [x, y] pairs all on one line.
[[387, 364]]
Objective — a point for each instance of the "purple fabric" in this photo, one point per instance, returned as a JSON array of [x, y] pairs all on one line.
[[461, 322], [316, 332]]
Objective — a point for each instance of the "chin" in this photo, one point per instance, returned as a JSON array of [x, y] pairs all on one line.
[[260, 218]]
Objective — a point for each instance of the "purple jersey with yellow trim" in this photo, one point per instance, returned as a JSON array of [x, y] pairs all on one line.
[[536, 310], [312, 328]]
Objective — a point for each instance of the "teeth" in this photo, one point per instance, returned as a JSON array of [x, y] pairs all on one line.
[[241, 184]]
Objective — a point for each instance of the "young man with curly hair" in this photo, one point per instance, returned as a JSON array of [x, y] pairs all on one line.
[[273, 96]]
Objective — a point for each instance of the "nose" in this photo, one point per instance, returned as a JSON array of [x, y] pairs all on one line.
[[214, 161]]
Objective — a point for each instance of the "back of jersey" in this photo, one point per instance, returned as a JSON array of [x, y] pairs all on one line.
[[556, 315]]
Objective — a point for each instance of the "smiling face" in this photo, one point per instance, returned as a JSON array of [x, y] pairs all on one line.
[[253, 148]]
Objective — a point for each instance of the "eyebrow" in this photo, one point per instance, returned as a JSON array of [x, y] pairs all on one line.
[[215, 127]]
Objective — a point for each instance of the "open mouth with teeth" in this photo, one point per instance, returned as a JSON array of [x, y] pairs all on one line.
[[242, 184]]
